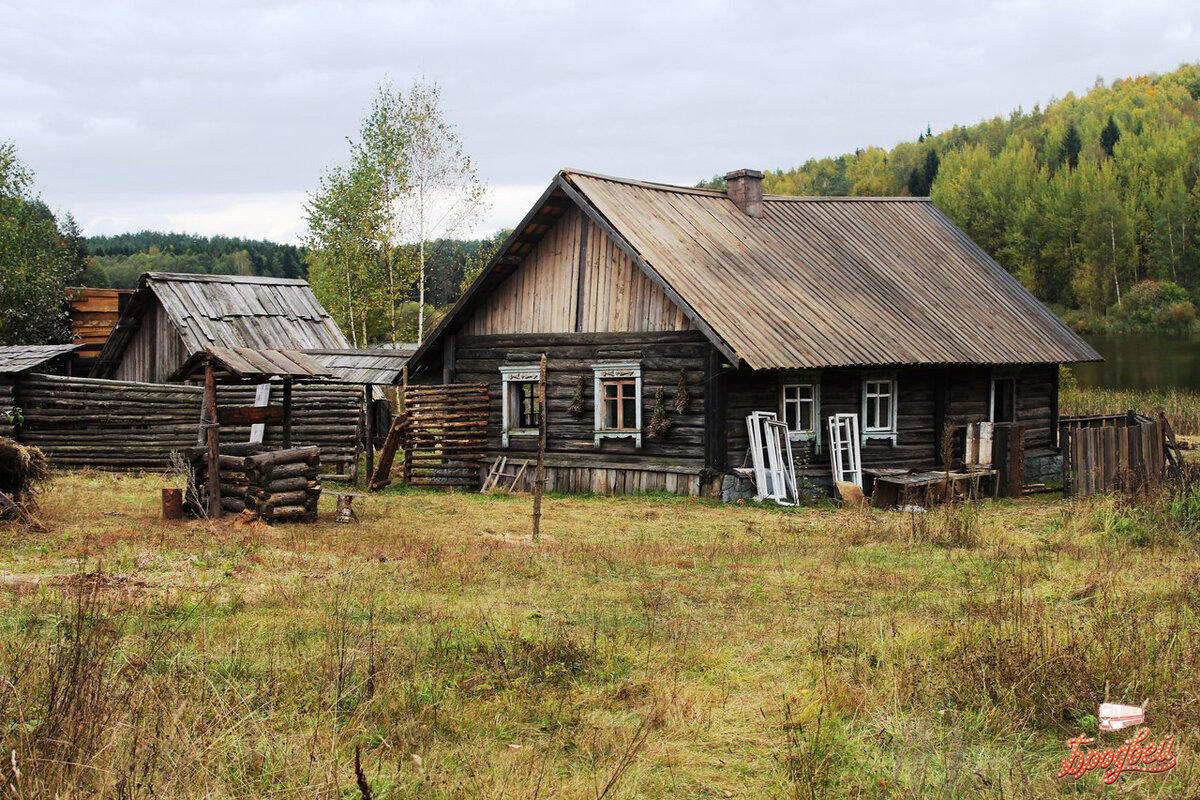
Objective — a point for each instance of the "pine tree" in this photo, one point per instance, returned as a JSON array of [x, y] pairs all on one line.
[[1109, 136], [1071, 145]]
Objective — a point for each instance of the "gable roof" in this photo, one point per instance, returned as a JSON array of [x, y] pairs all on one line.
[[815, 282], [24, 357], [227, 311]]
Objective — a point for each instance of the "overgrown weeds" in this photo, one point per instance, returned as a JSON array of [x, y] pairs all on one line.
[[645, 649]]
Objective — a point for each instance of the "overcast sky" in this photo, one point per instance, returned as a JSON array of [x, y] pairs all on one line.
[[218, 117]]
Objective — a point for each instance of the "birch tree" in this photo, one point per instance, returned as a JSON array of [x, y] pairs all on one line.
[[444, 195], [344, 216]]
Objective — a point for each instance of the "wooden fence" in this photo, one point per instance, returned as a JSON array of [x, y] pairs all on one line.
[[120, 425], [1124, 452], [445, 434]]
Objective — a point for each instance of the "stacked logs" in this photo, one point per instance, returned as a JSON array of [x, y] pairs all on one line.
[[278, 485], [232, 477], [284, 485]]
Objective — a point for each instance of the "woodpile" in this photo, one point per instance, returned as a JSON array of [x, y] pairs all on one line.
[[128, 426], [278, 485]]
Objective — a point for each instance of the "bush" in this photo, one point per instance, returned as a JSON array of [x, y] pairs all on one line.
[[1160, 305]]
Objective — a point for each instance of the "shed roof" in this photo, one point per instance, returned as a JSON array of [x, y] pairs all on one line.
[[815, 282], [227, 311], [252, 364], [22, 358], [373, 366]]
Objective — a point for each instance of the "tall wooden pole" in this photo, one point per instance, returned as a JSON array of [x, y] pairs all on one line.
[[214, 448], [539, 476], [369, 428], [287, 413]]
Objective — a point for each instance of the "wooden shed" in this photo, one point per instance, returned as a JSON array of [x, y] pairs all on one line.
[[730, 302], [171, 317]]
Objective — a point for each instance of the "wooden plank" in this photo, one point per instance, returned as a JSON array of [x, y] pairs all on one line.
[[249, 415]]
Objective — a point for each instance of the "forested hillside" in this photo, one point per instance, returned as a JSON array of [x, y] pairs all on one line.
[[125, 256], [1080, 200]]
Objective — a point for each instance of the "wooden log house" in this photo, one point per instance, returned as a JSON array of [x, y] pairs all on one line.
[[172, 317], [805, 306]]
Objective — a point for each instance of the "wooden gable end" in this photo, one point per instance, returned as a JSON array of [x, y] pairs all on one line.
[[576, 280], [154, 351]]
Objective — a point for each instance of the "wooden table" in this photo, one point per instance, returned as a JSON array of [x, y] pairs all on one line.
[[927, 488]]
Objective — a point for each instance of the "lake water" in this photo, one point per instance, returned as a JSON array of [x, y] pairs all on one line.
[[1142, 362]]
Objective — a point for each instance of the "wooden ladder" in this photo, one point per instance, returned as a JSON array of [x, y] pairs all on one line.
[[497, 472]]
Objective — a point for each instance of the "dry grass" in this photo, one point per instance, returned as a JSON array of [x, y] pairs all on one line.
[[1182, 407], [644, 647]]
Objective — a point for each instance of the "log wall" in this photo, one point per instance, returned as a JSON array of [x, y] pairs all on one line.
[[7, 401], [966, 398], [86, 422], [572, 457]]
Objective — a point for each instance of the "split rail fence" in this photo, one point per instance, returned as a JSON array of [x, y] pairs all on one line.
[[120, 425]]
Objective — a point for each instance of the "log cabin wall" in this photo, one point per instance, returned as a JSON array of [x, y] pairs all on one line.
[[966, 393], [577, 280], [154, 351], [670, 462], [87, 422], [7, 402]]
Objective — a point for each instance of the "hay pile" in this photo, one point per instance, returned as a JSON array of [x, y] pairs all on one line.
[[24, 472]]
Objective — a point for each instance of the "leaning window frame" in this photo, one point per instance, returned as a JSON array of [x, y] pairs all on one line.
[[812, 379], [620, 370], [508, 377], [892, 431]]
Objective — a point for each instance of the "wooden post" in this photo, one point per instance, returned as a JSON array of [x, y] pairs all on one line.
[[539, 477], [1008, 458], [172, 504], [369, 428], [287, 413], [214, 448], [449, 368]]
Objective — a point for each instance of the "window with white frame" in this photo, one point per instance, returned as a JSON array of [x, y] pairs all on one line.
[[879, 407], [521, 410], [618, 401], [800, 408]]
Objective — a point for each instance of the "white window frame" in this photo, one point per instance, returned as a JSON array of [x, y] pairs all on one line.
[[811, 380], [508, 377], [621, 370], [890, 432]]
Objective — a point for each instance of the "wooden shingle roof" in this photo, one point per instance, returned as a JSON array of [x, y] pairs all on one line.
[[831, 282], [22, 358], [227, 311], [814, 282], [371, 366], [253, 364]]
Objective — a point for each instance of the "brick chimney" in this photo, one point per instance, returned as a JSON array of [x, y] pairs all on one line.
[[744, 187]]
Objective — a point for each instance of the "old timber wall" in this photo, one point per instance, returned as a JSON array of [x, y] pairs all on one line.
[[671, 462], [87, 422]]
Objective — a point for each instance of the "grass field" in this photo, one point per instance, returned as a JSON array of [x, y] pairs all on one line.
[[1181, 406], [644, 647]]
